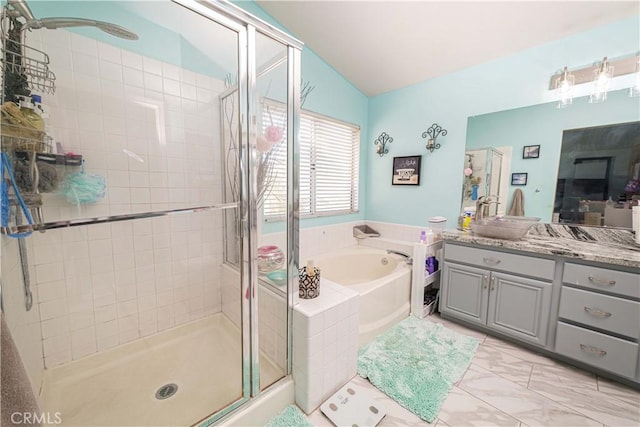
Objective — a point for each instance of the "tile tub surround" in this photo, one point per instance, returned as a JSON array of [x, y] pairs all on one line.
[[325, 344], [609, 246], [507, 385]]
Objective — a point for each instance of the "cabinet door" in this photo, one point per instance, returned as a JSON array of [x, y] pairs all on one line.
[[464, 292], [519, 307]]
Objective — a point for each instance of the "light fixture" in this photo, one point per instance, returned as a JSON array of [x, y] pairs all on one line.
[[432, 135], [564, 86], [381, 144], [635, 89], [601, 79], [595, 79]]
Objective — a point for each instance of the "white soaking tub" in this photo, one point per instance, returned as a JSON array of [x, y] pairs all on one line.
[[383, 281]]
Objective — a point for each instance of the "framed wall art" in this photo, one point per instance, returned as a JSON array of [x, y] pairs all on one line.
[[531, 152], [406, 170], [519, 178]]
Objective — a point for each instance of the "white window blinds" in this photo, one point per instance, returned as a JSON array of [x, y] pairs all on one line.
[[329, 164]]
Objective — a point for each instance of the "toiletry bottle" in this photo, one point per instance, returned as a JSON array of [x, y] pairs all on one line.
[[29, 113], [466, 221], [429, 236], [431, 263], [423, 237]]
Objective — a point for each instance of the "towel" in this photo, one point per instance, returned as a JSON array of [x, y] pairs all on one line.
[[15, 389], [517, 203]]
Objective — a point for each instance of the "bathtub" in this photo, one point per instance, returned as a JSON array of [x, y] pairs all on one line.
[[382, 280]]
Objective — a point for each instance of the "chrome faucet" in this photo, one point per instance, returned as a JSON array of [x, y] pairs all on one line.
[[482, 206], [407, 257]]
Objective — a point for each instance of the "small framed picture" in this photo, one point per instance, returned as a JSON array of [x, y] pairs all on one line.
[[519, 178], [406, 170], [531, 152]]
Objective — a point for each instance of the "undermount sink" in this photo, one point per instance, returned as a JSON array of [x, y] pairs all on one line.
[[507, 228]]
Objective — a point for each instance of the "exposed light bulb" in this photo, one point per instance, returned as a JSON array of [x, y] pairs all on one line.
[[564, 87], [602, 78]]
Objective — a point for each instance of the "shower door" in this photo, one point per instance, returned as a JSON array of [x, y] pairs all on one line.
[[134, 317]]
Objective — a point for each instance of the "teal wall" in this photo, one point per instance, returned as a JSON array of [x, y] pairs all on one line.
[[543, 125], [515, 81]]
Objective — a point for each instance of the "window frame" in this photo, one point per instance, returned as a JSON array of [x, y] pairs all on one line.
[[355, 163]]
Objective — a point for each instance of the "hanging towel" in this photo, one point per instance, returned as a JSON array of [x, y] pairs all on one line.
[[17, 394], [517, 203]]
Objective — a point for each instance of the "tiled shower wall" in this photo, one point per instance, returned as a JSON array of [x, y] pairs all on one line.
[[24, 325], [103, 285]]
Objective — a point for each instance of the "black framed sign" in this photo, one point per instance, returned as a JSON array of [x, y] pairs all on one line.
[[531, 152], [406, 170]]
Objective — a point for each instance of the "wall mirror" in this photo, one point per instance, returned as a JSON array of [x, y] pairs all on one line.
[[545, 125]]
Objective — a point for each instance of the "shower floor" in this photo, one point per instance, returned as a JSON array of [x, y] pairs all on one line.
[[118, 387]]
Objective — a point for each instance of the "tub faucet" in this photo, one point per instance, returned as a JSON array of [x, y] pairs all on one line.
[[407, 257]]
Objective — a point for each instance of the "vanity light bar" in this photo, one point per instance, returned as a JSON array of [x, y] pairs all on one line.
[[621, 67]]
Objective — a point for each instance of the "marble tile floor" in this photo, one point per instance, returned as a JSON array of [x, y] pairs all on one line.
[[507, 385]]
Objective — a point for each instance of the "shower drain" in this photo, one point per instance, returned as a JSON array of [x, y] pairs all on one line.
[[166, 391]]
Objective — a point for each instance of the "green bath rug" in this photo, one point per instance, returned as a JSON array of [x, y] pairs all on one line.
[[416, 363], [290, 417]]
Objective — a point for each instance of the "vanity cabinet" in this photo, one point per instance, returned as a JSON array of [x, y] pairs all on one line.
[[504, 292], [599, 318]]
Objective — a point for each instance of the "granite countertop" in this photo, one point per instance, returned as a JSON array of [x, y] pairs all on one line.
[[605, 245]]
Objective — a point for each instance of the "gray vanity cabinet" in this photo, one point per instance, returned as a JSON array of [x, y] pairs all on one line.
[[519, 306], [509, 303], [464, 292], [599, 318]]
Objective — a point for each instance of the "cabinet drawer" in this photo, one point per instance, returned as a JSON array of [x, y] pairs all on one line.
[[518, 264], [602, 311], [596, 349], [604, 279]]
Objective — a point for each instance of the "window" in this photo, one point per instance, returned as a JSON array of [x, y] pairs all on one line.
[[329, 165]]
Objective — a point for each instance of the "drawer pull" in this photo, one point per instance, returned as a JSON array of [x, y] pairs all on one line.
[[601, 281], [597, 312], [491, 261], [593, 350]]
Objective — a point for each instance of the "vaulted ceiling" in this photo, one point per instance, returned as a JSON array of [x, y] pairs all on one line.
[[384, 45]]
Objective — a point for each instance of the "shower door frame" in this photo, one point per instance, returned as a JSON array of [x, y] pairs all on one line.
[[246, 26]]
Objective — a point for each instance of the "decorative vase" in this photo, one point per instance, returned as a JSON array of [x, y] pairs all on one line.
[[309, 285], [270, 258]]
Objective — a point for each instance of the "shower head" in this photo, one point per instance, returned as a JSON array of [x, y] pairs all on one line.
[[54, 23], [19, 8]]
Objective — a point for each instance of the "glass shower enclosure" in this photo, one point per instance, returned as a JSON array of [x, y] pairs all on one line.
[[139, 143]]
